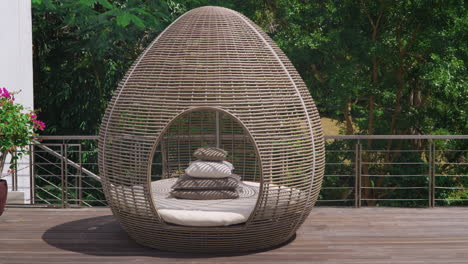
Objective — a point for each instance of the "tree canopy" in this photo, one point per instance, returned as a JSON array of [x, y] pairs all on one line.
[[380, 67]]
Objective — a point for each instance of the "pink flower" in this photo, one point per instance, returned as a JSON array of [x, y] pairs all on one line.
[[4, 93], [41, 125], [38, 124]]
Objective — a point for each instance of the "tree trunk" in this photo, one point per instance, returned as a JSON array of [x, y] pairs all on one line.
[[368, 193], [348, 117]]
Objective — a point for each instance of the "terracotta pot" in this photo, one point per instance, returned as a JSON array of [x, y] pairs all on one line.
[[3, 195], [3, 183]]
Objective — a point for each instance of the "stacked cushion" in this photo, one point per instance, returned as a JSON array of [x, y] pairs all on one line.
[[210, 153], [209, 169], [192, 183], [208, 178], [205, 194]]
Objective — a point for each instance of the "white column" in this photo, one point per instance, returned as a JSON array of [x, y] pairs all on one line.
[[16, 70]]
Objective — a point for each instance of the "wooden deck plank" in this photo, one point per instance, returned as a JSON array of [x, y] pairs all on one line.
[[330, 235]]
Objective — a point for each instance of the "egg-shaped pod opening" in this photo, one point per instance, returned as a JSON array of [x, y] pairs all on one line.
[[192, 191]]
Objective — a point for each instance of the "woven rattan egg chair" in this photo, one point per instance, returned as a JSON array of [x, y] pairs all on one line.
[[212, 78]]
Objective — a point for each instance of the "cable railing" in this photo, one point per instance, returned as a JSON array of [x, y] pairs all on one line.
[[397, 170], [64, 173], [380, 170]]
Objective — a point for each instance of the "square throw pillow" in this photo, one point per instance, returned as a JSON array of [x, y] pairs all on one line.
[[205, 194], [186, 182], [210, 153], [209, 169]]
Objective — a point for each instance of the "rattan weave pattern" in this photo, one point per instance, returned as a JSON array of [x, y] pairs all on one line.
[[212, 60]]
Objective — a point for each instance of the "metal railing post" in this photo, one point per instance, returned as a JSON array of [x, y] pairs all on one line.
[[62, 174], [32, 182], [14, 173], [357, 171], [80, 176], [62, 178], [432, 175], [429, 175], [65, 184]]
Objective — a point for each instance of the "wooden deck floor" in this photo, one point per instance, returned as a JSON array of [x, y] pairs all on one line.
[[330, 235]]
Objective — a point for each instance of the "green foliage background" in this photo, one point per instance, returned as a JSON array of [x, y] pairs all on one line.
[[382, 67], [379, 67]]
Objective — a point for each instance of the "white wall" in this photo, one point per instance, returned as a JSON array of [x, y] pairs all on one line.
[[16, 72]]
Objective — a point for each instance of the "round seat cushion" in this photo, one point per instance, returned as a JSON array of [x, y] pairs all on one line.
[[222, 212]]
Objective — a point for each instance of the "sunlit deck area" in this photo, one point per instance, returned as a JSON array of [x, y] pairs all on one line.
[[329, 235]]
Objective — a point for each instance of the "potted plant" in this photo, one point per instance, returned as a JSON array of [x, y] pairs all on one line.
[[17, 131]]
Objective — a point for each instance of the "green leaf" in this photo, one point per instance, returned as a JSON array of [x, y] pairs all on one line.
[[123, 19], [141, 11], [137, 21], [88, 2], [105, 4]]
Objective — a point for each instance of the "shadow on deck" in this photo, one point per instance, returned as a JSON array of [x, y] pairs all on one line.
[[330, 235], [106, 229]]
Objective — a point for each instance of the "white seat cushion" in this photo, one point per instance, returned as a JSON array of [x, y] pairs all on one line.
[[204, 212]]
